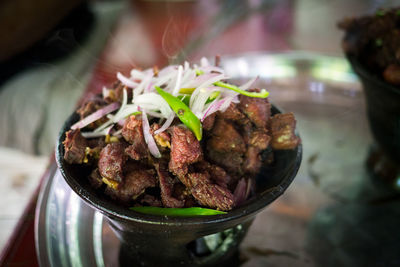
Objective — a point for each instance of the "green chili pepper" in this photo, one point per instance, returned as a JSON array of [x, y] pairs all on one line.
[[186, 90], [262, 94], [199, 72], [380, 13], [185, 99], [213, 96], [183, 111], [135, 113], [185, 212]]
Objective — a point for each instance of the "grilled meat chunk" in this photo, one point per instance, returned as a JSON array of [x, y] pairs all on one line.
[[282, 131], [185, 150], [133, 134], [167, 187], [225, 138], [111, 161], [74, 145], [209, 194], [258, 110]]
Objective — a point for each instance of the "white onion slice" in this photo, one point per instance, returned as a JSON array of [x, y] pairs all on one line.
[[149, 86], [197, 81], [240, 192], [249, 84], [213, 107], [204, 62], [122, 108], [236, 99], [148, 137], [186, 66], [121, 122], [95, 116], [116, 133], [212, 79], [178, 81], [156, 101], [99, 134], [143, 85], [166, 124], [128, 110], [137, 74], [167, 70], [106, 92], [163, 79], [154, 114], [126, 81], [199, 103], [226, 104]]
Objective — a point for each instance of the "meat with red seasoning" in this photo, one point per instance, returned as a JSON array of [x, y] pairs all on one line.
[[185, 150], [74, 145], [283, 131], [167, 187], [133, 134], [111, 161], [209, 194], [258, 110]]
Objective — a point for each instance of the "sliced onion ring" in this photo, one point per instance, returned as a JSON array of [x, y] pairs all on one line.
[[126, 81], [95, 116], [166, 124], [148, 137]]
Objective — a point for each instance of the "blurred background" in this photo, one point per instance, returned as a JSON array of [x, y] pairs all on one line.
[[52, 52]]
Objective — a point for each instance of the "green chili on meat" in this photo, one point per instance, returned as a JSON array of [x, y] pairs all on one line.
[[194, 211], [183, 111], [262, 94], [186, 90]]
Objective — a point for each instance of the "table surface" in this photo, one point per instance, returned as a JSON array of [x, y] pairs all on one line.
[[141, 34]]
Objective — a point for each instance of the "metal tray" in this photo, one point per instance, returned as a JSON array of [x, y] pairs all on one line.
[[324, 219]]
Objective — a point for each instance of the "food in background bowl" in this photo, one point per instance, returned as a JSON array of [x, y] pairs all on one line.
[[372, 46], [375, 41], [179, 137]]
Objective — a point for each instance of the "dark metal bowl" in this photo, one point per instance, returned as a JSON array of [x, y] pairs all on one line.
[[383, 109], [162, 240]]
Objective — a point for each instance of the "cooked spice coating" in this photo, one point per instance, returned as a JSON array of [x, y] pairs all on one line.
[[375, 41], [217, 174], [75, 146], [135, 183], [132, 132], [111, 161], [282, 131], [185, 150], [95, 179], [225, 138], [210, 195], [258, 110], [167, 187]]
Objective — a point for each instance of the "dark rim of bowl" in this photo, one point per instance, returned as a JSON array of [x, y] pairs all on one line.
[[111, 209], [360, 69]]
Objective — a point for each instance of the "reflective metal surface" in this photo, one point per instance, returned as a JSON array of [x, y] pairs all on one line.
[[323, 219]]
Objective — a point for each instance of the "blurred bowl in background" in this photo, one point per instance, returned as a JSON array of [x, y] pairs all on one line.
[[383, 111]]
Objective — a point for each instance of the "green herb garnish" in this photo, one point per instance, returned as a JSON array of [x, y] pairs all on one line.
[[182, 212], [199, 72], [183, 112], [262, 94], [380, 13]]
